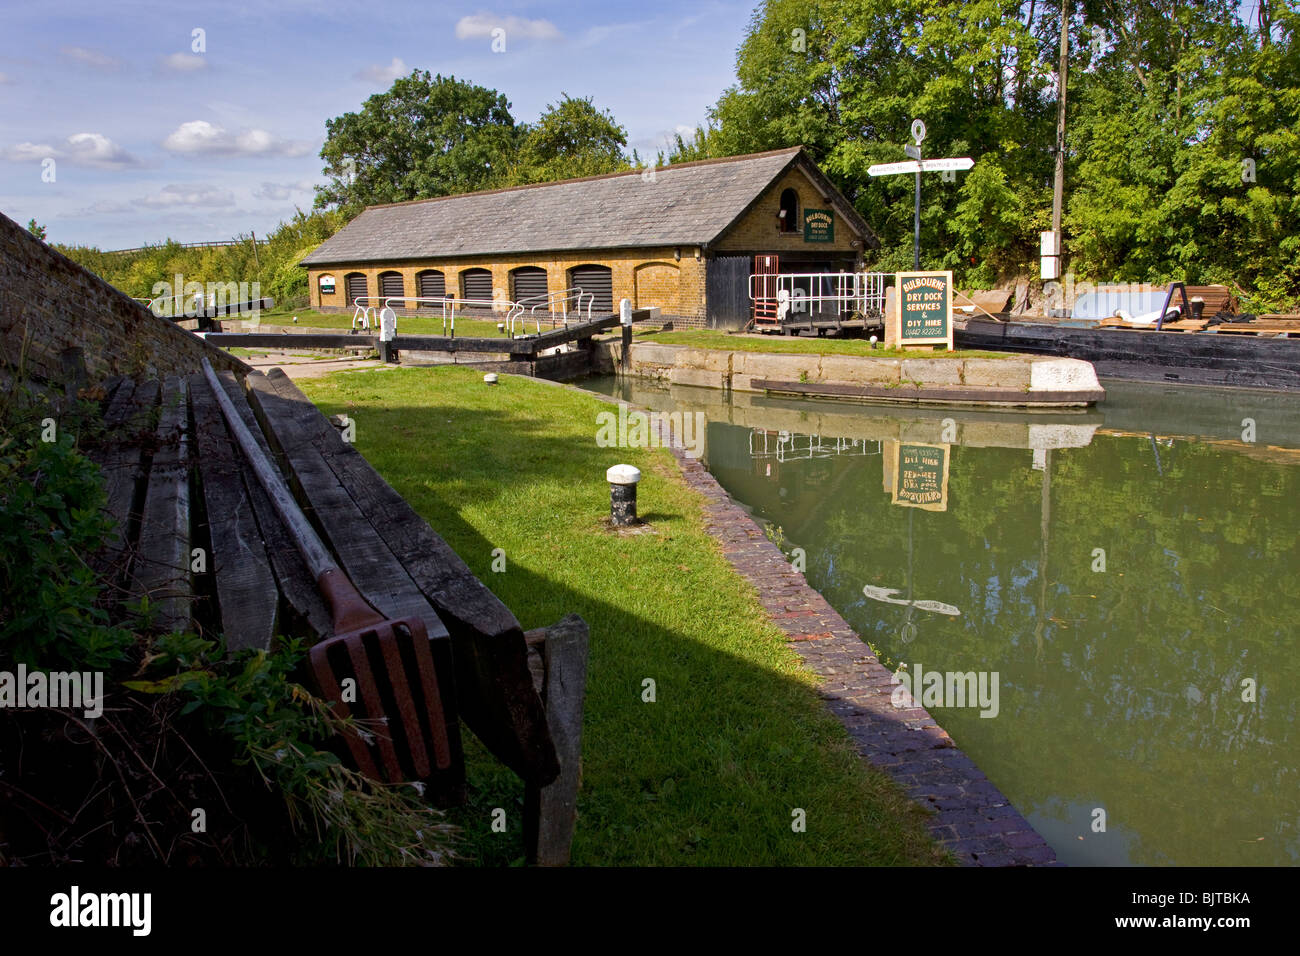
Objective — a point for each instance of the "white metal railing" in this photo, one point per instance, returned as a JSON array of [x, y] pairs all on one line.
[[365, 311], [451, 303], [197, 302], [845, 292], [789, 446], [549, 301], [365, 314]]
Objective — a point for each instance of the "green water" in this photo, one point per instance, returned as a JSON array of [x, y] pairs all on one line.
[[1120, 690]]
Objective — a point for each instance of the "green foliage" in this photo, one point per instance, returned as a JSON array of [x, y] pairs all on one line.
[[1165, 101], [54, 616], [36, 230], [571, 139], [51, 498], [278, 730], [274, 264], [426, 136]]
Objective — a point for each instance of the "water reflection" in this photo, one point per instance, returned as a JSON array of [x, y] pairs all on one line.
[[1129, 572]]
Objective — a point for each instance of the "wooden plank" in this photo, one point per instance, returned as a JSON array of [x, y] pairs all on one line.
[[161, 565], [292, 340], [121, 460], [247, 596], [1007, 396], [362, 553], [292, 576], [550, 812], [494, 688]]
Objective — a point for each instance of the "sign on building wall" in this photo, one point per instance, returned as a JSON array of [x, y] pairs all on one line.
[[327, 285], [920, 477], [923, 313], [818, 225]]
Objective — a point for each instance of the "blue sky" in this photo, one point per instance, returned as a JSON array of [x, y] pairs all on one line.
[[151, 140]]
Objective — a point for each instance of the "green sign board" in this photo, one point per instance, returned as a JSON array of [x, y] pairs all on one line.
[[818, 225], [921, 476], [925, 308]]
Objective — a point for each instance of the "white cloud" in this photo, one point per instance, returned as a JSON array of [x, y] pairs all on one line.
[[92, 58], [28, 152], [482, 25], [81, 149], [382, 74], [184, 63], [199, 194], [200, 136], [281, 191]]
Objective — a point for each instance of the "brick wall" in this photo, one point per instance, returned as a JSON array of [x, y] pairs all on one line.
[[757, 232], [649, 277], [49, 304]]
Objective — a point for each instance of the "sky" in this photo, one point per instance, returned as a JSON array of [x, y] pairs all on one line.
[[120, 125]]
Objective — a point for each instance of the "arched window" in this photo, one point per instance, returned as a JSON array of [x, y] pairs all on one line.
[[391, 284], [476, 284], [355, 285], [789, 214], [528, 282], [430, 284], [597, 281]]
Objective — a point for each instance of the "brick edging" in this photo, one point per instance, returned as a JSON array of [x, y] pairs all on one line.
[[972, 818]]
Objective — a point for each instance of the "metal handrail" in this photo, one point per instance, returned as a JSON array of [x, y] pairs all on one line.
[[364, 312], [863, 292], [197, 297], [450, 303], [549, 300]]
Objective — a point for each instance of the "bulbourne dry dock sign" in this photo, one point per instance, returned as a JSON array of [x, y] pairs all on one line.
[[921, 476], [924, 308], [818, 225]]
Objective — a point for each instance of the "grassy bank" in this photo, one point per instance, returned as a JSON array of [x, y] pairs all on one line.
[[736, 739], [708, 339]]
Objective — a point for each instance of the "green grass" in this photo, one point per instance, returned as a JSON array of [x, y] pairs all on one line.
[[708, 339], [737, 739]]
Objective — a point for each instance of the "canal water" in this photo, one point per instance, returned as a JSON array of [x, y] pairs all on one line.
[[1129, 574]]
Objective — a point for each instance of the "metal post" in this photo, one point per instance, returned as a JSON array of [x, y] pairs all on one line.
[[622, 494], [916, 236], [625, 319]]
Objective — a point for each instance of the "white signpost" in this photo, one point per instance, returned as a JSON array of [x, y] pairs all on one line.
[[917, 166]]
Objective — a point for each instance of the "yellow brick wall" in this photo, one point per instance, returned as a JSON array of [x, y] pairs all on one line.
[[649, 277], [757, 230]]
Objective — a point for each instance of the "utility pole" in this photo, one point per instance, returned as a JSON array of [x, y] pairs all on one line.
[[1058, 185]]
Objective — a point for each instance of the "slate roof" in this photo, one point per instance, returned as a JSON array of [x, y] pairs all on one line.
[[686, 204]]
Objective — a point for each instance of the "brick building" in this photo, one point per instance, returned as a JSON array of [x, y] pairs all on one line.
[[681, 238]]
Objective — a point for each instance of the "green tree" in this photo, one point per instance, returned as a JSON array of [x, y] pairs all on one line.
[[571, 138], [35, 229], [1166, 100], [426, 136]]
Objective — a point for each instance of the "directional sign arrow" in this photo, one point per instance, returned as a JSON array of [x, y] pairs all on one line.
[[924, 166]]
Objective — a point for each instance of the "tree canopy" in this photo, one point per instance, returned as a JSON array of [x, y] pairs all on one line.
[[1167, 100], [426, 136], [435, 136]]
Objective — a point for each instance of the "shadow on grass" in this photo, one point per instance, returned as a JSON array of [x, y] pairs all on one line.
[[702, 734]]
